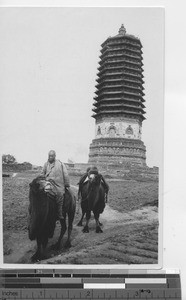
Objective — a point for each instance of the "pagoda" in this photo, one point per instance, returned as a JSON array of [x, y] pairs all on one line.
[[119, 103]]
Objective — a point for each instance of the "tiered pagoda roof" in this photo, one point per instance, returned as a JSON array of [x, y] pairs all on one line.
[[120, 78]]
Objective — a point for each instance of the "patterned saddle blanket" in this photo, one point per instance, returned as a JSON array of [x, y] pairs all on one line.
[[49, 187]]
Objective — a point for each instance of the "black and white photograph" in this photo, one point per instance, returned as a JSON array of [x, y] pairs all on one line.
[[82, 96]]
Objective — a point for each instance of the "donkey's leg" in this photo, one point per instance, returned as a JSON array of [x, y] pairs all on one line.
[[86, 228], [98, 228]]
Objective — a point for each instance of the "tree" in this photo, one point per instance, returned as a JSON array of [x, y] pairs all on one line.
[[8, 159]]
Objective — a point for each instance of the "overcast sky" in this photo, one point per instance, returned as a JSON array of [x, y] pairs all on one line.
[[49, 59]]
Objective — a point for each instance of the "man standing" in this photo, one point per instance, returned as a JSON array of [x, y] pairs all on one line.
[[54, 169]]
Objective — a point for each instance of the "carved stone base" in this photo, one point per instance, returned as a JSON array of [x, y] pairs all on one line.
[[117, 151]]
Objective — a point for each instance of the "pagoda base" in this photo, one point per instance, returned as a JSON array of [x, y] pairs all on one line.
[[117, 151]]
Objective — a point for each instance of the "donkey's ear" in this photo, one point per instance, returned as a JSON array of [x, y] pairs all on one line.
[[30, 184]]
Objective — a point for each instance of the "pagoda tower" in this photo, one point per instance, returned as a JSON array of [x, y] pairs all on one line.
[[119, 103]]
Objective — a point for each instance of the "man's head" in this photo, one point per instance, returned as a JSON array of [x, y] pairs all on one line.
[[51, 156]]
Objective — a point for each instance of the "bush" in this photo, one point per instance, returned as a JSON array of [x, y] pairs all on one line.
[[8, 159]]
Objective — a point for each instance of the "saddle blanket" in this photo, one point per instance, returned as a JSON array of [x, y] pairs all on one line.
[[49, 187]]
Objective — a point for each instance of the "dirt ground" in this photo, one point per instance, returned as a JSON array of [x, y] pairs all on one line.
[[130, 226]]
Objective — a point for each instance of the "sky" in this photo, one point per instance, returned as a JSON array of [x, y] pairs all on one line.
[[49, 59]]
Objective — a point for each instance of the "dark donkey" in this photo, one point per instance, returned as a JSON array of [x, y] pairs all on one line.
[[93, 199], [43, 217]]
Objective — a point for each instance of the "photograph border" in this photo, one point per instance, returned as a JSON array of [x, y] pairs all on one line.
[[118, 267]]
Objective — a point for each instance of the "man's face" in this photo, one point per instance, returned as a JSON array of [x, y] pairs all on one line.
[[51, 157]]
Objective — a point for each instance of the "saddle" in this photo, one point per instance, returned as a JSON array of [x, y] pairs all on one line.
[[49, 187]]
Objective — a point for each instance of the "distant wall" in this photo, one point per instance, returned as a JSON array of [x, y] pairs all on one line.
[[118, 171], [108, 170], [16, 167], [77, 169]]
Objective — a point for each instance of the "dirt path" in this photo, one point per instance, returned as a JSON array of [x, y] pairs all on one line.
[[113, 218], [122, 241]]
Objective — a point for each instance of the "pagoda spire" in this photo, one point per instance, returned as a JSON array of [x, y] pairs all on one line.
[[122, 30]]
